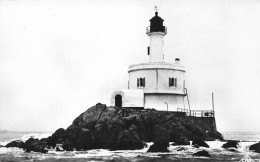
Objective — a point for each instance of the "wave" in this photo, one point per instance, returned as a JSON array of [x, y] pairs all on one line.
[[23, 136], [215, 150], [35, 135]]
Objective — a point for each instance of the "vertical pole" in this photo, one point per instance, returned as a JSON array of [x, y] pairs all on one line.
[[167, 105], [187, 97], [184, 93], [213, 103]]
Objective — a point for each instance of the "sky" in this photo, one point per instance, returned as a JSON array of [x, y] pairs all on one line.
[[58, 58]]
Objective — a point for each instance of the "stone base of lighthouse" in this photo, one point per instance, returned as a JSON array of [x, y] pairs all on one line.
[[164, 102]]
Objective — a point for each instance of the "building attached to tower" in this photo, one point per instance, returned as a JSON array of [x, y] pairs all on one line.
[[156, 84]]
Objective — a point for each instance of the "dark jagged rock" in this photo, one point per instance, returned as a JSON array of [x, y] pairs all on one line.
[[230, 144], [17, 143], [59, 133], [199, 142], [56, 138], [202, 153], [182, 141], [121, 128], [85, 139], [35, 145], [212, 136], [194, 131], [159, 146], [255, 147], [67, 147]]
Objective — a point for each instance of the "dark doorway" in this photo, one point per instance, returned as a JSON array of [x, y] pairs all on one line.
[[118, 100]]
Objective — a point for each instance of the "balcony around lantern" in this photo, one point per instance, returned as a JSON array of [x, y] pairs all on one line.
[[162, 29]]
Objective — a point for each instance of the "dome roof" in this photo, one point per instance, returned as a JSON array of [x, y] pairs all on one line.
[[156, 18]]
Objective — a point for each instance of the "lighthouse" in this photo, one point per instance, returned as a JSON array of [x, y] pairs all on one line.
[[155, 84], [156, 31]]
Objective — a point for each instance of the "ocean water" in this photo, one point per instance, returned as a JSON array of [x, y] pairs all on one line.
[[242, 136], [99, 155]]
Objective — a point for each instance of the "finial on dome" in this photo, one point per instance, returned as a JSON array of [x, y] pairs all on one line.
[[156, 10]]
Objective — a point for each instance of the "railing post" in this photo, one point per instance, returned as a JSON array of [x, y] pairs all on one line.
[[213, 101], [167, 105]]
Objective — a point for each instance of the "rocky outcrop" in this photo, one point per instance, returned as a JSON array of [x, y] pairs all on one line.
[[119, 129], [199, 143], [35, 145], [202, 153], [255, 147], [31, 144], [230, 144], [159, 146], [17, 143]]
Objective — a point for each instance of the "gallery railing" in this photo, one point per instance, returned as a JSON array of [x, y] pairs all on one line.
[[160, 29], [198, 113]]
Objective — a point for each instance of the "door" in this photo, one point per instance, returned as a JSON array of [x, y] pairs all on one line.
[[118, 100]]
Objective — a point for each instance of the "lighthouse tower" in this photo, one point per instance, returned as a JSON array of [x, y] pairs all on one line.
[[156, 31], [156, 84]]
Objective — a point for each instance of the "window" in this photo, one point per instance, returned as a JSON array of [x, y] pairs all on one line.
[[172, 82], [140, 82]]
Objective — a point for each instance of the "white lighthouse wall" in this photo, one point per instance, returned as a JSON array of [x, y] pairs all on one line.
[[150, 79], [130, 98], [157, 101], [157, 80], [163, 80], [156, 47]]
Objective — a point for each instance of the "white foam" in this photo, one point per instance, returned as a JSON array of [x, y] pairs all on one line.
[[217, 145], [35, 135], [26, 137], [3, 143], [215, 149]]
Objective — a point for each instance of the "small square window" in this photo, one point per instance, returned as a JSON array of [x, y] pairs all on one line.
[[140, 82], [172, 82]]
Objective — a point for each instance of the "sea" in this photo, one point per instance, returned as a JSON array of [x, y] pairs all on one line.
[[215, 150]]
